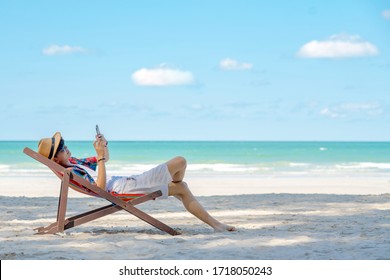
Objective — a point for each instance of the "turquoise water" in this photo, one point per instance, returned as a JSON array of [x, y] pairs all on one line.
[[225, 157]]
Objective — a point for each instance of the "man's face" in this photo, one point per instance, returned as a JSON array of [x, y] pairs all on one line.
[[63, 154]]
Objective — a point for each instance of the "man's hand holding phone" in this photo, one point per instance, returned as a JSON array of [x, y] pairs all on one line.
[[100, 145], [100, 136]]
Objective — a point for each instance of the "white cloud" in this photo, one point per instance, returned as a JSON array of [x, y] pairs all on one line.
[[352, 109], [56, 50], [231, 64], [330, 113], [162, 76], [386, 14], [340, 45]]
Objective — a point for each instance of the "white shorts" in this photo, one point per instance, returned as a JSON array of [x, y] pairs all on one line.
[[155, 179]]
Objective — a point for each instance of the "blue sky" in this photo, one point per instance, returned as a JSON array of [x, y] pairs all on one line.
[[195, 70]]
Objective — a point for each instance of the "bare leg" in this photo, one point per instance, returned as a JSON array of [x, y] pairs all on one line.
[[182, 192], [177, 167]]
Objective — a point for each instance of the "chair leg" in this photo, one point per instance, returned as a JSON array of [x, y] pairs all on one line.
[[149, 219], [109, 209], [59, 225], [105, 210], [63, 201]]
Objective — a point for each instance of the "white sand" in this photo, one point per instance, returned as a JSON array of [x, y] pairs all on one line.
[[209, 185], [277, 218]]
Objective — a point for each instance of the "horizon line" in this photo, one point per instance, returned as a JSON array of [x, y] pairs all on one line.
[[204, 140]]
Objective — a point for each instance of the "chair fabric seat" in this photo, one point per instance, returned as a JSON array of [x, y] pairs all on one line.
[[81, 189]]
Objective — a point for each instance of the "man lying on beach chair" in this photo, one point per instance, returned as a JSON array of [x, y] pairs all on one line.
[[160, 182]]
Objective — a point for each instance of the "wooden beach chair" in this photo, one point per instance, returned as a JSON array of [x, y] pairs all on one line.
[[118, 201]]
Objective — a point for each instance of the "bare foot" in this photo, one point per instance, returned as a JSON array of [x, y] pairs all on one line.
[[223, 227]]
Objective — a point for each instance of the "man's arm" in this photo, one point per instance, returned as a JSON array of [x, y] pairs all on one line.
[[106, 154]]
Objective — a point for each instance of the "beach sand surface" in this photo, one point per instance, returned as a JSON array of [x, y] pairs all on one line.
[[276, 218]]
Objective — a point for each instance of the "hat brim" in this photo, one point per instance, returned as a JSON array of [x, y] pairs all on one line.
[[57, 139]]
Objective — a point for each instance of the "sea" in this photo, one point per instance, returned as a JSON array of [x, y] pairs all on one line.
[[220, 157]]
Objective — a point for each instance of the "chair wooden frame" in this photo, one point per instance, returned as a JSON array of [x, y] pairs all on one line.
[[116, 205]]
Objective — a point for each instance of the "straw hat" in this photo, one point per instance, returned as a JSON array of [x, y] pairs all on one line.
[[48, 146]]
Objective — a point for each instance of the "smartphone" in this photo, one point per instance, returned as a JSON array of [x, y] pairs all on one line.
[[97, 130]]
